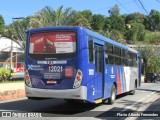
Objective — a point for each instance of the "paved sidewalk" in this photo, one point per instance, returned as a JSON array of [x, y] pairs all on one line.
[[11, 86]]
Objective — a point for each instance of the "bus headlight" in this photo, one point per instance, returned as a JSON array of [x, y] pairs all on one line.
[[78, 79]]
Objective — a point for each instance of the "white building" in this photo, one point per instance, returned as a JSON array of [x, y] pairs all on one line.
[[10, 49], [6, 45]]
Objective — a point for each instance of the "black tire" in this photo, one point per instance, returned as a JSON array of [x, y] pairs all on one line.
[[132, 92], [112, 98]]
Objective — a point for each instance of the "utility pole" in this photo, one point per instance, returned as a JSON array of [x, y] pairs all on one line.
[[13, 20], [11, 55]]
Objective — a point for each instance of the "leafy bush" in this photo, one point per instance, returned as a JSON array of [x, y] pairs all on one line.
[[4, 73], [153, 37], [1, 73]]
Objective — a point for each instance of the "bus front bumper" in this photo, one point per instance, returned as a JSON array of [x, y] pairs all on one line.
[[79, 93]]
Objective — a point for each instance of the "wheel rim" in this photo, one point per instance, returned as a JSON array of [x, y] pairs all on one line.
[[113, 95]]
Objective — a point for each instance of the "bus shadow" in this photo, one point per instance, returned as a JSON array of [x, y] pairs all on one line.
[[73, 108], [115, 113], [53, 107], [68, 108]]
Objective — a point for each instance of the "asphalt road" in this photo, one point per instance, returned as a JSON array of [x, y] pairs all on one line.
[[59, 109]]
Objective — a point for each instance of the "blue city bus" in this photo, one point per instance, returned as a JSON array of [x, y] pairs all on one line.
[[77, 64]]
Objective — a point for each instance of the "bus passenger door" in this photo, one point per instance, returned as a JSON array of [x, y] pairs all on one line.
[[98, 71]]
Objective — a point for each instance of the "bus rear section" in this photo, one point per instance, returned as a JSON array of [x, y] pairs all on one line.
[[52, 69]]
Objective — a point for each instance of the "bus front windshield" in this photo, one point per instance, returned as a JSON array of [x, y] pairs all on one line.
[[52, 42]]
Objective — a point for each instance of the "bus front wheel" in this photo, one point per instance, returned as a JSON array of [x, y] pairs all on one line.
[[112, 98], [132, 92]]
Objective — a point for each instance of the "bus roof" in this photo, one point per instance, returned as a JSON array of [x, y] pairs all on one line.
[[89, 32], [103, 38]]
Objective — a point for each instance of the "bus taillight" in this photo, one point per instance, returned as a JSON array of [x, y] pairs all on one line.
[[78, 79], [79, 73], [27, 79]]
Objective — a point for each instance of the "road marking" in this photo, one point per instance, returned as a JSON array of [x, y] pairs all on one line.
[[137, 102]]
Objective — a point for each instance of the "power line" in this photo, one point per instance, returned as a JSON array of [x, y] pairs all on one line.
[[101, 9], [143, 6], [148, 14], [110, 6], [123, 6], [158, 0], [135, 1]]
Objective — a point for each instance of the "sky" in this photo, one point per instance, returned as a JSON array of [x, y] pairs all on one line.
[[22, 8]]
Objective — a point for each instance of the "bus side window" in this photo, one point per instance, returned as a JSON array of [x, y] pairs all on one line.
[[111, 59], [118, 60], [106, 54], [126, 61], [109, 51], [109, 48], [135, 60], [123, 53], [117, 52], [90, 47]]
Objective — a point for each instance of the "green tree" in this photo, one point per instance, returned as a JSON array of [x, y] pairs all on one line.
[[97, 22], [45, 17], [134, 17], [116, 21], [50, 17], [81, 19], [152, 21], [16, 31], [114, 11], [87, 14], [135, 33], [151, 59], [107, 24], [2, 25]]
